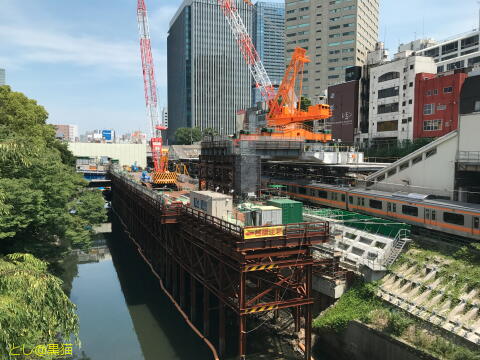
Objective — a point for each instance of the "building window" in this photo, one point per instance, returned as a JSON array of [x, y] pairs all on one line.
[[477, 106], [432, 125], [452, 218], [469, 42], [473, 61], [429, 93], [387, 108], [456, 65], [384, 93], [428, 109], [448, 90], [435, 92], [376, 204], [387, 126], [441, 107], [389, 76], [450, 48], [410, 210]]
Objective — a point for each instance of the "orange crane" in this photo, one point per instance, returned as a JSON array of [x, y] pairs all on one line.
[[285, 117]]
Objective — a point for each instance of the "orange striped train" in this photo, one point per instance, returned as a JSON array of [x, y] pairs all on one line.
[[451, 217]]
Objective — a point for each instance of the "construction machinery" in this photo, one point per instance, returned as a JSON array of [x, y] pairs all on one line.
[[285, 118], [160, 175]]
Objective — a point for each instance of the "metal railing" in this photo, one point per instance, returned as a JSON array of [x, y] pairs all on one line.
[[468, 156]]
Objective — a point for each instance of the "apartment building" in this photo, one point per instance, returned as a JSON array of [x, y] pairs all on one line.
[[336, 33], [437, 102], [392, 96]]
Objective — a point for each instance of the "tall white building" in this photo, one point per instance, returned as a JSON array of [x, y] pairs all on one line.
[[336, 33], [392, 96], [2, 77]]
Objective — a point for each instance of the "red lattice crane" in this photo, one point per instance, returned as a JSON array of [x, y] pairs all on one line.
[[159, 155], [285, 116]]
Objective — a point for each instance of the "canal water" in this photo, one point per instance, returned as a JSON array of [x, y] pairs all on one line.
[[124, 315]]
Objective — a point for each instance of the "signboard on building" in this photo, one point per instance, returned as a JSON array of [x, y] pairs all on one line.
[[107, 135], [263, 232]]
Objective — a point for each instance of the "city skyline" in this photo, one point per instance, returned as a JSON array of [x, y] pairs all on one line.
[[87, 71]]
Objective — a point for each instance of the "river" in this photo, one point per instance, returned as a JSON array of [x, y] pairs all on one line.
[[124, 315]]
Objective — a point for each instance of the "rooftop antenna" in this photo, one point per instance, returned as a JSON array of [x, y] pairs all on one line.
[[478, 2]]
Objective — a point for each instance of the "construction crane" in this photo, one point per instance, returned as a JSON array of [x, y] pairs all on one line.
[[161, 175], [285, 118]]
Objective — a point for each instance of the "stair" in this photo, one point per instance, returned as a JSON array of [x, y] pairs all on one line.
[[397, 248]]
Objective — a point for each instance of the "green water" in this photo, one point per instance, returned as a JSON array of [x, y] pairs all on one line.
[[124, 315]]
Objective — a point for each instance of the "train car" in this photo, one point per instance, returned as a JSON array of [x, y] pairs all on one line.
[[450, 217]]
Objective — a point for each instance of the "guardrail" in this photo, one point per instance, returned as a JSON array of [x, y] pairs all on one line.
[[468, 156]]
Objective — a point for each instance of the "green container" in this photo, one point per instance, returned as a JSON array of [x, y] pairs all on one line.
[[292, 211]]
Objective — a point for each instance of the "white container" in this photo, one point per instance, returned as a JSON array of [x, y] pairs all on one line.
[[268, 215], [213, 203]]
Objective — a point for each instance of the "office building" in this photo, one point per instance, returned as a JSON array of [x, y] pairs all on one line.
[[344, 100], [66, 132], [269, 40], [392, 96], [455, 53], [336, 33], [208, 80], [437, 101]]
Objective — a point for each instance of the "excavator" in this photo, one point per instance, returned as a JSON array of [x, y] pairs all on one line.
[[285, 118]]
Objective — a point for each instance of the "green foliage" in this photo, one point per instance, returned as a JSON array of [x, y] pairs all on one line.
[[356, 304], [187, 136], [34, 310], [209, 132], [305, 103], [394, 150], [397, 323], [38, 185], [459, 271]]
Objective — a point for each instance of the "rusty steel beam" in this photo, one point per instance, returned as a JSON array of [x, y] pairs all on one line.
[[245, 275]]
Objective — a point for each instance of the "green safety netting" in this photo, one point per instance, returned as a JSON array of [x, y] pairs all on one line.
[[362, 222]]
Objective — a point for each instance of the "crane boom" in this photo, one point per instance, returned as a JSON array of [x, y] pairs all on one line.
[[240, 32], [150, 84]]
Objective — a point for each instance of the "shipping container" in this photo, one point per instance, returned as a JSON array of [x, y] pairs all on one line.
[[267, 215], [213, 203], [292, 211]]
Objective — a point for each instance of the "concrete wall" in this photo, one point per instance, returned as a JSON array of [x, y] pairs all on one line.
[[432, 175], [360, 342], [469, 132], [126, 154]]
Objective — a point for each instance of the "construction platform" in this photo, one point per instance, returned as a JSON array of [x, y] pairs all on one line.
[[243, 270]]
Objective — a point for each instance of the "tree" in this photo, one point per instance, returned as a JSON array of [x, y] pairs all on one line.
[[210, 132], [305, 103], [187, 136], [38, 185], [34, 310]]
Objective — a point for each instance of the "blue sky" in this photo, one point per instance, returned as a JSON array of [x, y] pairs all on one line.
[[80, 59]]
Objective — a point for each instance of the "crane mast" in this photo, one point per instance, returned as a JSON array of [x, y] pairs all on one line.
[[240, 32], [285, 115], [153, 116]]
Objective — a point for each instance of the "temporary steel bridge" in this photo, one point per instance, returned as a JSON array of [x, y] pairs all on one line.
[[210, 264]]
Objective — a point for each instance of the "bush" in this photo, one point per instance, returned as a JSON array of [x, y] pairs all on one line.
[[398, 323]]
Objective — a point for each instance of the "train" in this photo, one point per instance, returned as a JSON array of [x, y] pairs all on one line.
[[460, 220]]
